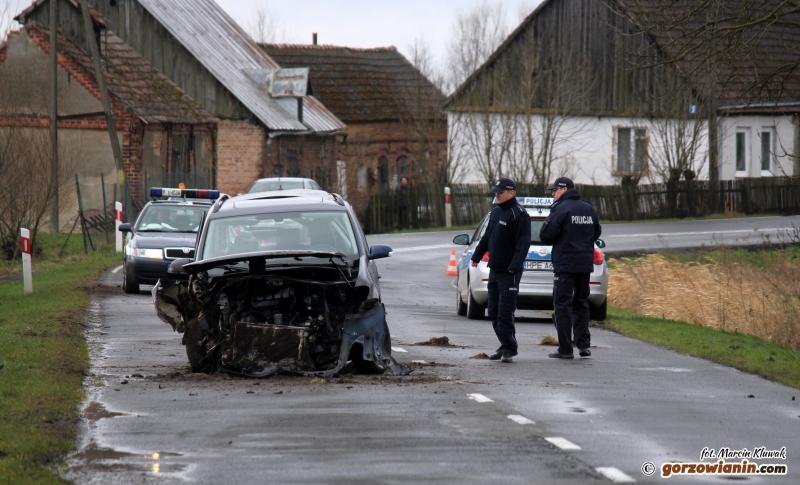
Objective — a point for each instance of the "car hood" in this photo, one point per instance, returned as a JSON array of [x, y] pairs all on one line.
[[206, 264], [159, 240]]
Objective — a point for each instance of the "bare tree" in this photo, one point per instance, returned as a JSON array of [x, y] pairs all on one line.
[[426, 122], [552, 85], [729, 52], [475, 35], [267, 27], [8, 9]]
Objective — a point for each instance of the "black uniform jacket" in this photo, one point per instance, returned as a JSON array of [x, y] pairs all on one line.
[[507, 237], [571, 228]]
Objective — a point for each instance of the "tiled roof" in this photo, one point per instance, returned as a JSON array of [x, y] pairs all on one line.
[[138, 86], [757, 66], [223, 48], [360, 85]]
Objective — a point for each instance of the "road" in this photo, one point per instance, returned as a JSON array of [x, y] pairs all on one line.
[[456, 419]]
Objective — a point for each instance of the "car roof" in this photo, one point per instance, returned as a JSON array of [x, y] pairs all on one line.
[[183, 202], [287, 179], [293, 200]]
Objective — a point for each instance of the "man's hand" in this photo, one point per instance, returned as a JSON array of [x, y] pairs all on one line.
[[474, 264]]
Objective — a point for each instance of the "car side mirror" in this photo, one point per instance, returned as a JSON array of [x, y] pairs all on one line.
[[461, 240], [379, 251], [600, 243], [125, 227], [176, 266]]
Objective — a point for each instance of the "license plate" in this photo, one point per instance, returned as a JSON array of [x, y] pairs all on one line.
[[539, 265]]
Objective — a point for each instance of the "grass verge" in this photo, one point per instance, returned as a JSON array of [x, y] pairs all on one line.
[[43, 355], [744, 352]]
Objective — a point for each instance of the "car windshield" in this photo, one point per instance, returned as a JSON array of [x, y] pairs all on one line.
[[269, 185], [536, 226], [171, 218], [286, 231]]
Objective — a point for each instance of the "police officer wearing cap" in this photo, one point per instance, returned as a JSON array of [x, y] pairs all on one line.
[[507, 239], [572, 229]]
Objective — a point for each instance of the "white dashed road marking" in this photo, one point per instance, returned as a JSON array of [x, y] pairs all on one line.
[[116, 270], [479, 398], [614, 475], [520, 419], [563, 444], [399, 349]]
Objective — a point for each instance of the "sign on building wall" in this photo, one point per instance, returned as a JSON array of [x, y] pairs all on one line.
[[281, 83]]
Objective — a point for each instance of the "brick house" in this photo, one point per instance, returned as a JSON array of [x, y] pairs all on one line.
[[159, 125], [202, 50], [395, 127]]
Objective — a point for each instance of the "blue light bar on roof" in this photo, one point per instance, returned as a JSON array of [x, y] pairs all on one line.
[[185, 193]]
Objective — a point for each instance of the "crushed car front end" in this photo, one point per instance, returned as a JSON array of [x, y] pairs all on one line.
[[302, 311]]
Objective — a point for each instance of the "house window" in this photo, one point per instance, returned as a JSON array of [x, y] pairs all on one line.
[[767, 150], [293, 170], [741, 153], [402, 168], [362, 177], [383, 172], [631, 151], [341, 177], [277, 170]]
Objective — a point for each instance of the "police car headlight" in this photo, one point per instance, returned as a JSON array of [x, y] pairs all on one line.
[[148, 253]]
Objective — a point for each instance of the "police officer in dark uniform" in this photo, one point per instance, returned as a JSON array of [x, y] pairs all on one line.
[[572, 229], [508, 240]]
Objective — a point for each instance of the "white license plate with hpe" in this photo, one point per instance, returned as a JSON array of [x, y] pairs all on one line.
[[539, 265]]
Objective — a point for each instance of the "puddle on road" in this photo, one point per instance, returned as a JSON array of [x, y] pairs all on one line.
[[666, 369], [95, 411]]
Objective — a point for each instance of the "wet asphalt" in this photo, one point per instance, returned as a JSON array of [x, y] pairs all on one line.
[[149, 420]]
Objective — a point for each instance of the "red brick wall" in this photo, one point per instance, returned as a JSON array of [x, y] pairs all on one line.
[[241, 154], [316, 158], [366, 142]]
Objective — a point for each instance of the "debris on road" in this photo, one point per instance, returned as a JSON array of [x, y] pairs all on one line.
[[481, 355], [548, 340], [437, 342]]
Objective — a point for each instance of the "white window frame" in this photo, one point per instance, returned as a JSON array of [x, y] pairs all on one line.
[[771, 165], [745, 132], [615, 148], [341, 177]]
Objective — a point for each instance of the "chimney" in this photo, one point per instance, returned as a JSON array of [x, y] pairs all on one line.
[[314, 38]]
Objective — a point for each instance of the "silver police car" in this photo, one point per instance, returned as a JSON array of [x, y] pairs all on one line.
[[536, 286]]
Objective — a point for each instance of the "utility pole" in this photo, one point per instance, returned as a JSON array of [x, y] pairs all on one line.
[[101, 83], [54, 226]]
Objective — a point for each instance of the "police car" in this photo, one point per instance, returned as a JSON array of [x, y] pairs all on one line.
[[536, 286], [165, 230]]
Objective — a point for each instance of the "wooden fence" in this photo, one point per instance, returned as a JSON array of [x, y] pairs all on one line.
[[422, 206]]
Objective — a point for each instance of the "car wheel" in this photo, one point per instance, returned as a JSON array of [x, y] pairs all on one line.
[[130, 282], [599, 313], [474, 310], [370, 366], [195, 341], [461, 307]]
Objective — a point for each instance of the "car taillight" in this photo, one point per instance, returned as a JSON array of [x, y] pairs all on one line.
[[598, 256], [485, 257]]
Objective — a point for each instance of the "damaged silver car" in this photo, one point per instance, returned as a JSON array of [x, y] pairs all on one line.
[[282, 282]]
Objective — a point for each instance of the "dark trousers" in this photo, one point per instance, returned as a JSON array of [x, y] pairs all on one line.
[[571, 303], [503, 289]]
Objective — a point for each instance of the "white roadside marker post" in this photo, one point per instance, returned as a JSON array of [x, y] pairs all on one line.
[[27, 274], [448, 211], [117, 222]]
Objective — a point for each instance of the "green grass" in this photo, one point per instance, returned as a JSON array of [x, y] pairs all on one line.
[[44, 354], [744, 352], [50, 245]]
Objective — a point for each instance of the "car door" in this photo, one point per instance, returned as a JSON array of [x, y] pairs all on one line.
[[466, 257]]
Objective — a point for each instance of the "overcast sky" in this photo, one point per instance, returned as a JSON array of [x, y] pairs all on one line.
[[370, 23]]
